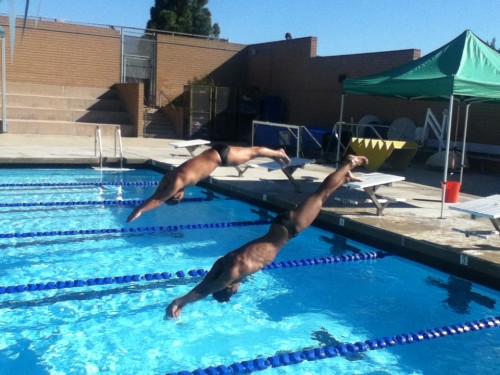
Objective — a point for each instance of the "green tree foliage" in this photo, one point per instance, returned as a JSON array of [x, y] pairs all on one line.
[[183, 16], [215, 30], [492, 43]]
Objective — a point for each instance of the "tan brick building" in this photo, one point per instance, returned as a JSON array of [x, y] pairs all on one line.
[[309, 86]]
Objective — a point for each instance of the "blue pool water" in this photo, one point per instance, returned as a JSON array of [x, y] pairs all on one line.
[[119, 328]]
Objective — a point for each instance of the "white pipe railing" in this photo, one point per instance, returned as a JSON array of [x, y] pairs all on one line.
[[5, 128], [98, 141], [118, 144], [118, 135], [337, 132]]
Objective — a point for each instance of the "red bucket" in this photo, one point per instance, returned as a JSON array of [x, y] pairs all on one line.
[[452, 191]]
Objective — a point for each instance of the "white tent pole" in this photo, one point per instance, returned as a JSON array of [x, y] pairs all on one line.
[[466, 122], [340, 131], [446, 157], [5, 128]]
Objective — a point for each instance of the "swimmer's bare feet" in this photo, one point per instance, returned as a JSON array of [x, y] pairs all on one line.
[[356, 161], [352, 178], [282, 157]]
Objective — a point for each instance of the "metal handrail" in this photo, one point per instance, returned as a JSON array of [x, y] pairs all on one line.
[[162, 93], [98, 140], [337, 132], [118, 135], [118, 144], [314, 140]]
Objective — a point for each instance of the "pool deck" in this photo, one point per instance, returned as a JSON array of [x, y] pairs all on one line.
[[412, 227]]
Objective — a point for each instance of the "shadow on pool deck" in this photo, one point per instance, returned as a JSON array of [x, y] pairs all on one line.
[[414, 228]]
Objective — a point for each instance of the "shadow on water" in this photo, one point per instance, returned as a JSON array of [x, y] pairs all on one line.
[[326, 339], [340, 245], [460, 294], [89, 295], [20, 359], [98, 237]]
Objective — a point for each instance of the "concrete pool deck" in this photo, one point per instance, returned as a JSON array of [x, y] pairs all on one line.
[[413, 227]]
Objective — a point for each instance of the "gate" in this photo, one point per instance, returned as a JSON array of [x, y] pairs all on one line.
[[138, 63]]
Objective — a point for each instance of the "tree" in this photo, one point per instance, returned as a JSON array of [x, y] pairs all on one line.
[[183, 16], [492, 43], [215, 30]]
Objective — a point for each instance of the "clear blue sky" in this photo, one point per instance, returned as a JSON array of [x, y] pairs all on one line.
[[342, 27]]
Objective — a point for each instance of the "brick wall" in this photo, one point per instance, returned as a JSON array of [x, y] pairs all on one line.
[[132, 95], [311, 90], [181, 60], [73, 55], [310, 84], [57, 53]]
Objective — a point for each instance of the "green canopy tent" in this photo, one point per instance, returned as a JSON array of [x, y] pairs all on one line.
[[466, 70]]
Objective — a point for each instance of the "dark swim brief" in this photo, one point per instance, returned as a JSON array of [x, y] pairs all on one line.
[[222, 150], [284, 220]]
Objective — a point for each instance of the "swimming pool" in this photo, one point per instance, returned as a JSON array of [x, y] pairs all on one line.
[[119, 327]]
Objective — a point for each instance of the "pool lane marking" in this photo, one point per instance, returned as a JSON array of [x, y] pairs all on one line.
[[91, 184], [158, 228], [36, 287], [324, 352], [118, 202]]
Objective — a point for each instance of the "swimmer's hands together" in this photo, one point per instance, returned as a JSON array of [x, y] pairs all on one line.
[[173, 311], [134, 215]]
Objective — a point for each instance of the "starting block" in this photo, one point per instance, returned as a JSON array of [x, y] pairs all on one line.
[[477, 233], [243, 168], [288, 169], [190, 145], [370, 183], [488, 207]]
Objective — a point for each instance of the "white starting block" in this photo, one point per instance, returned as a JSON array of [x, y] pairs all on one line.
[[488, 207], [288, 169], [190, 145], [369, 184], [476, 233], [243, 168]]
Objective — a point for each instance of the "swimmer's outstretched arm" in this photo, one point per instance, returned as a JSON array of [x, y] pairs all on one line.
[[216, 279], [149, 204], [165, 191]]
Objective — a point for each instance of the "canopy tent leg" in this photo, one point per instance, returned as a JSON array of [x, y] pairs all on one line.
[[462, 161], [332, 134], [446, 157], [337, 158]]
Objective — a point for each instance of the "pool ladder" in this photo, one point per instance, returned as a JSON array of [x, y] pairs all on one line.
[[118, 142]]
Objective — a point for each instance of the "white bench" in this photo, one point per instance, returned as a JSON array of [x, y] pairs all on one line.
[[288, 169], [369, 184], [488, 207], [190, 145]]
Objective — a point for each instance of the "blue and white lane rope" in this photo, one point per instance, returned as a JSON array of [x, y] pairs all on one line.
[[156, 228], [124, 202], [324, 352], [79, 184], [36, 287]]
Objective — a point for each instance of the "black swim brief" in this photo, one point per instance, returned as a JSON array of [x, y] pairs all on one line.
[[222, 150], [284, 220]]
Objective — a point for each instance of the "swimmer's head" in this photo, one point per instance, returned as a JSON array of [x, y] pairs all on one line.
[[225, 294]]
